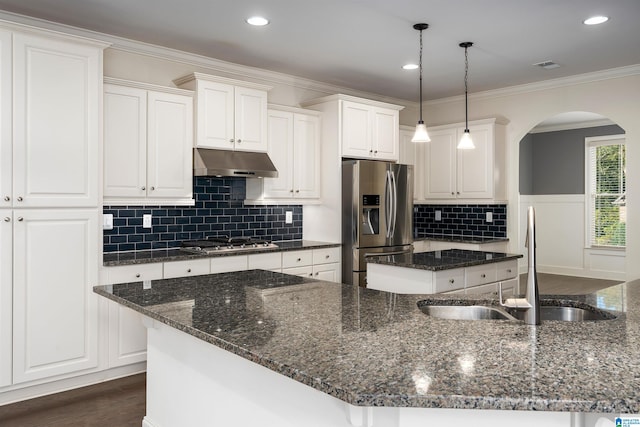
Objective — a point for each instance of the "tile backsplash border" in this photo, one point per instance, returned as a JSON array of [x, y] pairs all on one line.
[[460, 220]]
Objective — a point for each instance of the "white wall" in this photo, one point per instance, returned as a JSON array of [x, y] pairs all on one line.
[[603, 93]]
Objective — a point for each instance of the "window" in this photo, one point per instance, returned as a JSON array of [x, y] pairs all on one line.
[[606, 191]]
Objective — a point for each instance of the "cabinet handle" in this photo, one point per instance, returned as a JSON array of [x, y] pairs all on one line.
[[452, 193], [291, 191], [311, 274], [231, 140], [188, 270], [144, 188], [19, 198], [297, 191], [509, 271], [483, 275], [457, 192], [317, 273], [7, 198], [153, 188], [137, 274], [239, 141], [375, 152], [370, 151], [299, 259], [7, 219], [451, 280], [327, 256], [20, 219]]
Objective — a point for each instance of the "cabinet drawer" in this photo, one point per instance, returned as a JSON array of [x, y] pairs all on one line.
[[326, 255], [268, 261], [507, 270], [297, 258], [304, 271], [192, 267], [225, 264], [448, 280], [133, 273], [480, 274]]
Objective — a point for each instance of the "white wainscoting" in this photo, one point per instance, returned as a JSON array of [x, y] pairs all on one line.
[[560, 228]]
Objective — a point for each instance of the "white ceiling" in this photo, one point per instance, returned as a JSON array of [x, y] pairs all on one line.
[[362, 44]]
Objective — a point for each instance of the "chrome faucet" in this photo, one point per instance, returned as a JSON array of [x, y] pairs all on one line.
[[531, 302]]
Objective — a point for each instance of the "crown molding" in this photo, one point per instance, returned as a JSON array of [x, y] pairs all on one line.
[[612, 73]]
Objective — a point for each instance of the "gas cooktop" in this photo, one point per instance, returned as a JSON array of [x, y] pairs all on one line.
[[224, 244]]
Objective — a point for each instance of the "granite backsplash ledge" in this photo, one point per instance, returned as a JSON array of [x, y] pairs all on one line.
[[460, 220], [219, 211]]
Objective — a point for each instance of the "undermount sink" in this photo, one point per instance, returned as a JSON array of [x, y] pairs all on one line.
[[549, 310]]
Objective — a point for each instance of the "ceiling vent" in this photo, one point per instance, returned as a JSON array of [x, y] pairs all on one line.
[[547, 65]]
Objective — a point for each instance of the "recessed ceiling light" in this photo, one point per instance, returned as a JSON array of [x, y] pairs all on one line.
[[410, 67], [258, 21], [595, 20]]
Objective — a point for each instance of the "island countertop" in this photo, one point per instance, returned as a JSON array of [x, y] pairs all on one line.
[[373, 348], [442, 260]]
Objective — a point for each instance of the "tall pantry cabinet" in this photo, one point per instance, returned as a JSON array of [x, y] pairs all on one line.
[[50, 145]]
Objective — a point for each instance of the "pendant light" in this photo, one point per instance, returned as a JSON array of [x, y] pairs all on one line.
[[421, 134], [466, 143]]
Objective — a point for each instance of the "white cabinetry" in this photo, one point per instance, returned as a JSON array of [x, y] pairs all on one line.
[[449, 173], [55, 317], [148, 139], [230, 114], [50, 147], [321, 264], [412, 153], [294, 148], [52, 135], [6, 295], [365, 129]]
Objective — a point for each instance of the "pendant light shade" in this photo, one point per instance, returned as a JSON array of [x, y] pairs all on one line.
[[421, 134], [466, 142]]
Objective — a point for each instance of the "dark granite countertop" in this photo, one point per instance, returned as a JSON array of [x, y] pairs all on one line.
[[460, 238], [442, 260], [164, 255], [373, 348]]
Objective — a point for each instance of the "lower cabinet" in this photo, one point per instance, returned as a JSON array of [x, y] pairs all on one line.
[[127, 336], [6, 296], [54, 253]]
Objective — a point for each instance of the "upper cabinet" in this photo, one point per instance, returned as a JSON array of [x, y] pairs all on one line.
[[230, 114], [50, 123], [448, 173], [367, 129], [294, 148], [148, 140]]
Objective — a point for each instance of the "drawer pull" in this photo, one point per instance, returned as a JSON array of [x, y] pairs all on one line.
[[317, 273], [327, 256], [7, 198], [189, 270], [452, 280], [7, 219], [483, 275], [509, 271], [19, 199], [137, 274], [20, 219], [299, 259]]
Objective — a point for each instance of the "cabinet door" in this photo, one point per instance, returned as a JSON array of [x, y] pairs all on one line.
[[169, 145], [412, 153], [250, 119], [356, 130], [475, 167], [6, 142], [127, 336], [54, 309], [214, 124], [385, 134], [6, 286], [306, 156], [440, 165], [125, 141], [280, 137], [328, 272], [56, 135]]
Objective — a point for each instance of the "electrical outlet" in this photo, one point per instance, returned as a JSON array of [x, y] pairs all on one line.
[[107, 221], [438, 215], [146, 221], [489, 217], [288, 219]]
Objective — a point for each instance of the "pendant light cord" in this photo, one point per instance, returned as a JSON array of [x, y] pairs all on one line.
[[420, 75], [466, 89]]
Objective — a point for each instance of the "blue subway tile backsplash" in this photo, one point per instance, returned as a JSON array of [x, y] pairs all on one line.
[[219, 211], [460, 220]]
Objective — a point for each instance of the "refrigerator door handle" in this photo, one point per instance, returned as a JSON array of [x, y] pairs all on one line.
[[388, 199], [394, 187]]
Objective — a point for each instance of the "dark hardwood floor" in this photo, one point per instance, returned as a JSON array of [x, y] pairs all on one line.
[[121, 403], [117, 403]]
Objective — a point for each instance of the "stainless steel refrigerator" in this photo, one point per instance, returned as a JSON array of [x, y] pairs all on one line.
[[377, 214]]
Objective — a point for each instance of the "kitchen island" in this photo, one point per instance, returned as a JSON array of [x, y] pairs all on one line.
[[451, 270], [264, 348]]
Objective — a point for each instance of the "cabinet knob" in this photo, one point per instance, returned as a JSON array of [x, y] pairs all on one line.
[[7, 219], [188, 270], [311, 274], [153, 188], [509, 271], [291, 191], [19, 198], [483, 275], [231, 140], [370, 151], [20, 219], [144, 188], [239, 141], [299, 259], [375, 152], [452, 280], [297, 191], [7, 198], [327, 256], [317, 273], [452, 193], [137, 274], [457, 192]]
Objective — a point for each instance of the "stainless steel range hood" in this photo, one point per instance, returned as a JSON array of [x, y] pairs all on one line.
[[210, 162]]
